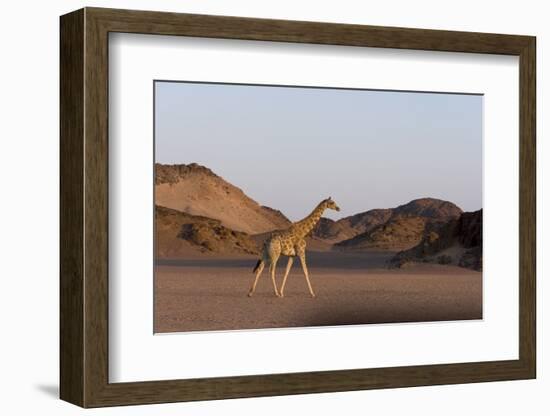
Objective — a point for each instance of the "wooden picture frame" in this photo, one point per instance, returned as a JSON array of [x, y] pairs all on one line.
[[84, 207]]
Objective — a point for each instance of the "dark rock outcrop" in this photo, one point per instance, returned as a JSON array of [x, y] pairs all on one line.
[[179, 234], [458, 240]]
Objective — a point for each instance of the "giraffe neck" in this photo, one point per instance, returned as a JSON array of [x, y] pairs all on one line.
[[304, 227]]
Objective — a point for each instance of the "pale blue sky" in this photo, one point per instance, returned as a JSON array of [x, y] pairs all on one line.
[[289, 148]]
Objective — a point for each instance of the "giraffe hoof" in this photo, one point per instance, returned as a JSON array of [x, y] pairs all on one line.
[[249, 294], [313, 295], [281, 295]]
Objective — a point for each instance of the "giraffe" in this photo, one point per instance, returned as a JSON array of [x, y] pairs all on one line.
[[290, 242]]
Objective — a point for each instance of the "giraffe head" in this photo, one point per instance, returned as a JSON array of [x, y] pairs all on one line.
[[330, 204]]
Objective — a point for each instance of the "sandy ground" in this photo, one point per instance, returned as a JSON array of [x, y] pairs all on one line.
[[211, 294]]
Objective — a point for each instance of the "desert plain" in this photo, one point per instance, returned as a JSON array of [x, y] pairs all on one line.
[[211, 294]]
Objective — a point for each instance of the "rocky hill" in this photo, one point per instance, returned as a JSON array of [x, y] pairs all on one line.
[[182, 235], [196, 190], [395, 234], [366, 221], [457, 241], [428, 208], [349, 227], [332, 231], [404, 225]]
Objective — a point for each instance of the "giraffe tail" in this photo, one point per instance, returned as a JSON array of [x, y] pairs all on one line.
[[257, 266]]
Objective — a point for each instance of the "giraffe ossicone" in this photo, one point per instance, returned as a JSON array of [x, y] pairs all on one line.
[[290, 242]]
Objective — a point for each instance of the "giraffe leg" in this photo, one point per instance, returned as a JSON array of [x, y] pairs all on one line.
[[287, 271], [304, 267], [272, 268], [258, 273]]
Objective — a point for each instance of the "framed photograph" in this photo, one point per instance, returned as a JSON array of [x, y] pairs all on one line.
[[254, 207]]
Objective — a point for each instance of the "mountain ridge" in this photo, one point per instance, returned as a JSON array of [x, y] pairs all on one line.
[[218, 217]]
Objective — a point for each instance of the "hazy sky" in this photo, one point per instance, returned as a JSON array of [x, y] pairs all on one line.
[[289, 148]]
